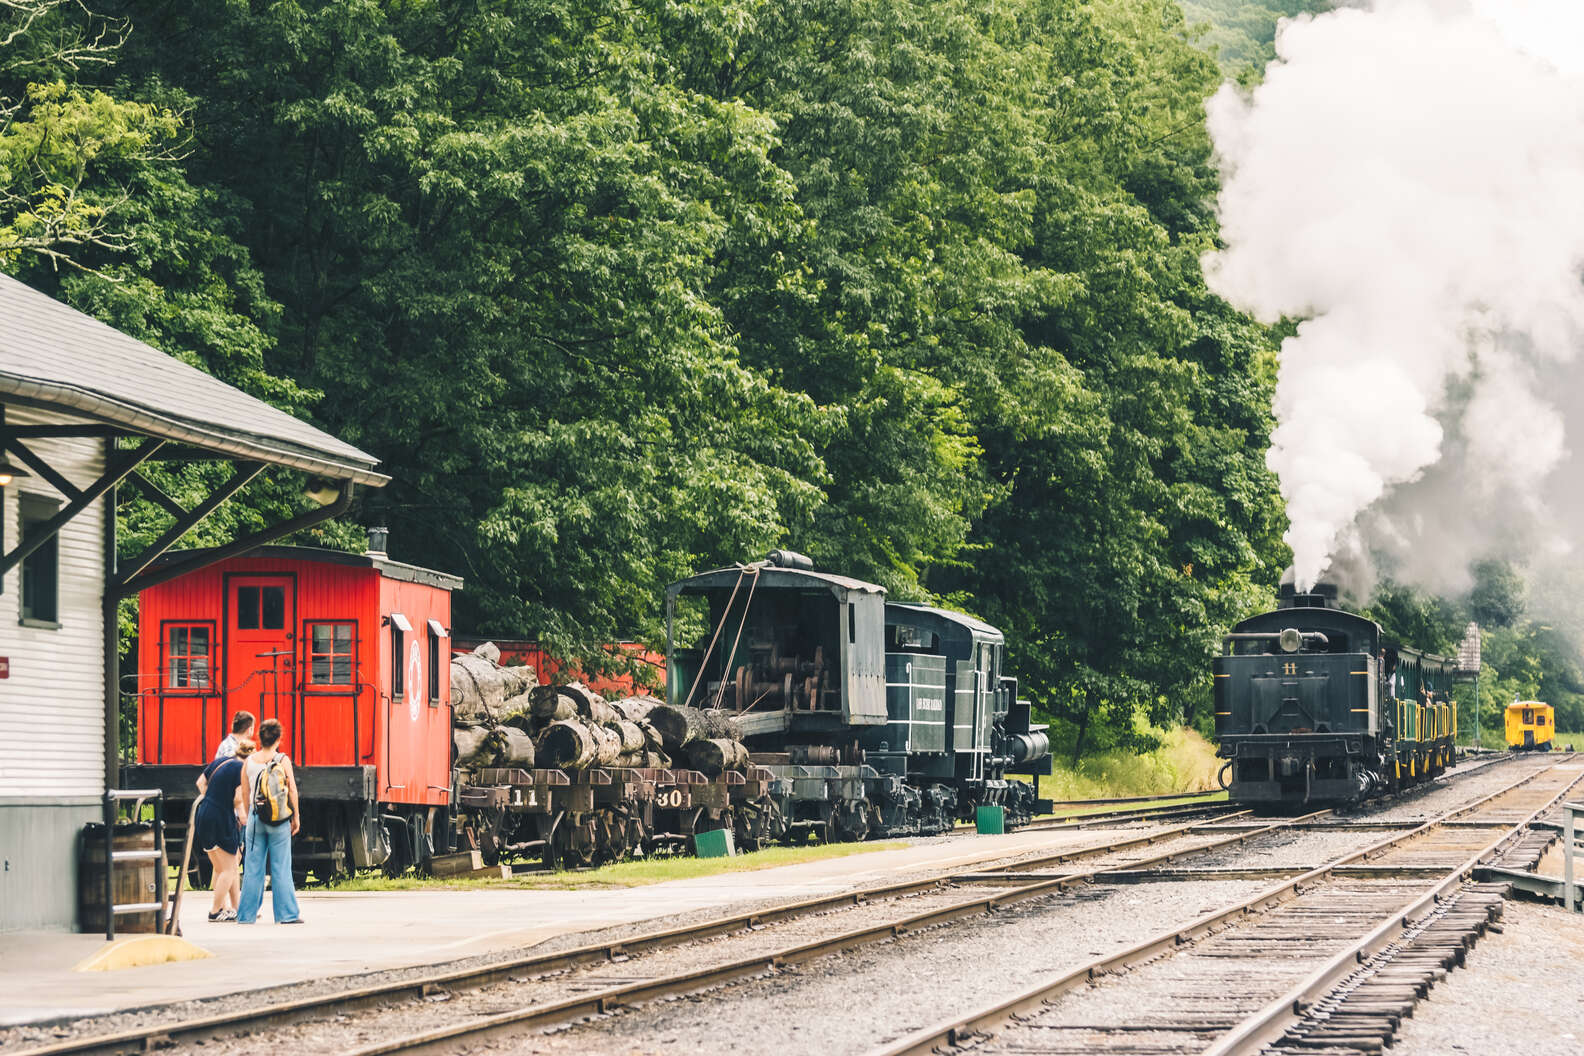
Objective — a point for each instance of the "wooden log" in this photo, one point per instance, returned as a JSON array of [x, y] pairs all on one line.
[[567, 743], [652, 739], [462, 863], [473, 746], [578, 745], [720, 725], [713, 756], [634, 709], [480, 687], [512, 707], [680, 726], [677, 725], [632, 737], [516, 748], [549, 704]]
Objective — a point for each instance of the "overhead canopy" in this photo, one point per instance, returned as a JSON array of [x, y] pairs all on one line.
[[55, 357]]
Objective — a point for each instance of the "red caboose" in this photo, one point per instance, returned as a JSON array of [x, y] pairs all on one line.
[[350, 652]]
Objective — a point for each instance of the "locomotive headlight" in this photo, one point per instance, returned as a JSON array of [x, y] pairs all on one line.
[[1291, 640]]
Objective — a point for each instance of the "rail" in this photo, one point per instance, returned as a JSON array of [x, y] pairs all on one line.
[[1271, 1022], [959, 1029], [359, 997]]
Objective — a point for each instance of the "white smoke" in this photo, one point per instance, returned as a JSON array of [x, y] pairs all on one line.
[[1409, 181]]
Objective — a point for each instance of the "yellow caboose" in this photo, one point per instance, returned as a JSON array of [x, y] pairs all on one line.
[[1531, 724]]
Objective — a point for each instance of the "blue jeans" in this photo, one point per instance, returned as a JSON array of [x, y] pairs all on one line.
[[267, 846]]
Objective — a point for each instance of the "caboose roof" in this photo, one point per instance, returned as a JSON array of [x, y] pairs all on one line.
[[318, 555], [53, 356]]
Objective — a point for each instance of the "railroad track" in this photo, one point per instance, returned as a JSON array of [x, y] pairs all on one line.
[[1323, 960], [1017, 881], [1029, 874]]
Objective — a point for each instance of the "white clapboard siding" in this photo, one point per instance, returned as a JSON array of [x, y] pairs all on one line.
[[52, 705]]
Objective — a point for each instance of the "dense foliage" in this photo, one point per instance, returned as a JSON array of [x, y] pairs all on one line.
[[620, 291], [1522, 658]]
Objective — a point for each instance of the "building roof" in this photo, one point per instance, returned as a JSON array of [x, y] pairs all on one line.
[[53, 356]]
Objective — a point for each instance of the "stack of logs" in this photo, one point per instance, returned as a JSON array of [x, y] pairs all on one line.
[[503, 718]]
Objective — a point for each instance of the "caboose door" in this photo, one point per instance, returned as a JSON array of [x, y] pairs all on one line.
[[259, 655]]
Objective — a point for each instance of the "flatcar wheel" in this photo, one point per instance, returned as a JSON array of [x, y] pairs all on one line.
[[487, 835], [830, 831]]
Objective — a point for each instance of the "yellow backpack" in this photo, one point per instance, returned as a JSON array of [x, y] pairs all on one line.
[[270, 799]]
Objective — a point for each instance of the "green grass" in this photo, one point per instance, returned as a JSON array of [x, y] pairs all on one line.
[[621, 874], [1185, 762]]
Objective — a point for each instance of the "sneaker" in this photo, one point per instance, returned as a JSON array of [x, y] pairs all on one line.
[[228, 914], [219, 915], [294, 920]]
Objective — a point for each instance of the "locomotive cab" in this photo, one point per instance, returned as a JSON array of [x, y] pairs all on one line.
[[1312, 703], [1296, 703]]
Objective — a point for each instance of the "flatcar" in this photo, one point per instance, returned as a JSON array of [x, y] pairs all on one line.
[[1531, 726], [1316, 704]]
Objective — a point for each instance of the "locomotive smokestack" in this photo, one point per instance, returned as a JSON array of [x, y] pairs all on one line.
[[1320, 596], [376, 542]]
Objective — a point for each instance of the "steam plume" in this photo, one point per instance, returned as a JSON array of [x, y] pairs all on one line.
[[1409, 181]]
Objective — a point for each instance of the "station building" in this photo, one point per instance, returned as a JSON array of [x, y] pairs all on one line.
[[82, 408]]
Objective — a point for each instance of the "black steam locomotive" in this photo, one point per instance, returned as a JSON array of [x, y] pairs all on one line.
[[872, 718], [1315, 704]]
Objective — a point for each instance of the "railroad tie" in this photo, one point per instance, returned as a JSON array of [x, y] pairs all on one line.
[[1363, 1013]]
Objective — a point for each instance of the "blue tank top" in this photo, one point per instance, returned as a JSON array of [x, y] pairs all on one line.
[[224, 776]]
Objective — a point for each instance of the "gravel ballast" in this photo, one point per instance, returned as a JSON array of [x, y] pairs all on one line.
[[1521, 993]]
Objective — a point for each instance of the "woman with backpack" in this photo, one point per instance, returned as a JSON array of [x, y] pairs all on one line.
[[270, 790], [218, 826]]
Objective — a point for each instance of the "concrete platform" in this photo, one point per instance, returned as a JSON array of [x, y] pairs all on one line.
[[356, 932]]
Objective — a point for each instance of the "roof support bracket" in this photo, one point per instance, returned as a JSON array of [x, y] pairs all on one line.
[[156, 494], [132, 584], [116, 470], [185, 521], [42, 468]]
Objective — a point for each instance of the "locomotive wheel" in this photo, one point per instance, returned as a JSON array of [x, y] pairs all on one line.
[[855, 821]]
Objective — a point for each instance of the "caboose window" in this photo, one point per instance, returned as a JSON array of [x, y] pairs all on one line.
[[188, 653], [330, 654], [272, 608], [398, 649], [261, 608], [437, 633]]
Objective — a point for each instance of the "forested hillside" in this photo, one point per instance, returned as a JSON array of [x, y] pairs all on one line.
[[623, 291]]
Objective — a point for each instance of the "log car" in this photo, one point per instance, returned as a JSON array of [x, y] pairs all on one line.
[[588, 817]]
